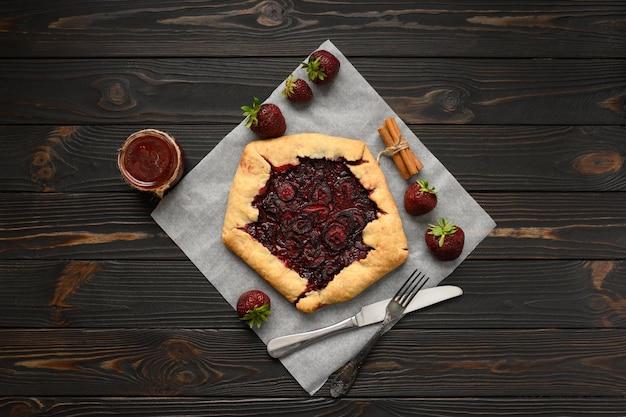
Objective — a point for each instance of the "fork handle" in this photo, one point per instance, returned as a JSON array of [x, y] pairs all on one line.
[[341, 381]]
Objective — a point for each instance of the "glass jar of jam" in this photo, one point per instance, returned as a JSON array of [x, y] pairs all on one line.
[[151, 161]]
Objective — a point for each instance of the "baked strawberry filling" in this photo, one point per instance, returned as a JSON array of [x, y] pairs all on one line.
[[311, 217]]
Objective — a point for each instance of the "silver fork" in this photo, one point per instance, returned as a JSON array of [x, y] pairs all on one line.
[[341, 381]]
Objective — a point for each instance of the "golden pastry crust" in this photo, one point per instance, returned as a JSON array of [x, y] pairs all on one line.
[[384, 235]]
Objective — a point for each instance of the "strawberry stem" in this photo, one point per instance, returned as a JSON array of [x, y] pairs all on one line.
[[314, 69], [442, 229], [251, 112], [290, 84], [257, 315], [425, 188]]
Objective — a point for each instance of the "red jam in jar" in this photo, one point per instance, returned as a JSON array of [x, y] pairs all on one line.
[[151, 160]]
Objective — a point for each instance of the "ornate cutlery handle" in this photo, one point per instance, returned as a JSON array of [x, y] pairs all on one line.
[[284, 345], [341, 381]]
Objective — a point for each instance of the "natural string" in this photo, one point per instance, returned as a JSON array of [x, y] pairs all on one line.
[[394, 149]]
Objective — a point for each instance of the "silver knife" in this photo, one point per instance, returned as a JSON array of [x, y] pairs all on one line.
[[372, 313]]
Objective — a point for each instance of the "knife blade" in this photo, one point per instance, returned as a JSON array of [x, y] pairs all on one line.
[[369, 314]]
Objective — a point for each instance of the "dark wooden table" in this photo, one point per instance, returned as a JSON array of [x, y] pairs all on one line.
[[102, 314]]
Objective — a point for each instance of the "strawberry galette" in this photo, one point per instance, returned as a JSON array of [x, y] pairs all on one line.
[[313, 215]]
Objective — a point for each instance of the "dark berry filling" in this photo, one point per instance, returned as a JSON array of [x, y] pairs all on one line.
[[311, 217]]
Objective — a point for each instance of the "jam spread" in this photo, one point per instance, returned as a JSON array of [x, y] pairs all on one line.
[[150, 160], [311, 217]]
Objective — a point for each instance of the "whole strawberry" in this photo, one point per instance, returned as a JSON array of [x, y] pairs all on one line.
[[297, 90], [266, 120], [253, 306], [322, 67], [419, 198], [445, 240]]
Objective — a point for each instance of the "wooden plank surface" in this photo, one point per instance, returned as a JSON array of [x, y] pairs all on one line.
[[277, 28], [310, 407], [521, 294], [212, 90], [104, 226], [168, 362], [83, 158], [101, 313]]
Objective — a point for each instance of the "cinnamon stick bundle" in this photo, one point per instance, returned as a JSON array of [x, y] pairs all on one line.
[[398, 149]]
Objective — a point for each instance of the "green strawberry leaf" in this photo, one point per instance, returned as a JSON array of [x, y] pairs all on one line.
[[257, 315], [442, 229], [251, 112]]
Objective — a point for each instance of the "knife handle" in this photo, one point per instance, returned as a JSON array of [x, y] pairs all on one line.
[[284, 345]]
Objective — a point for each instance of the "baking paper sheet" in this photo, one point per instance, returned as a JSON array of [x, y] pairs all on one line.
[[192, 215]]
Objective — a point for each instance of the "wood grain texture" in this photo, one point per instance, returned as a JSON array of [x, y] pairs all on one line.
[[101, 313], [83, 158], [424, 91], [128, 294], [309, 407], [558, 362], [184, 28], [233, 363], [140, 362], [554, 225], [104, 226], [51, 223], [541, 158]]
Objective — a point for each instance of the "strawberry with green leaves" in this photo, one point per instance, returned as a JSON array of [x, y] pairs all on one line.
[[297, 90], [419, 198], [322, 67], [253, 307], [266, 120], [445, 240]]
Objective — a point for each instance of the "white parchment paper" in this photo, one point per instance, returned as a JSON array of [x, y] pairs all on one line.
[[192, 215]]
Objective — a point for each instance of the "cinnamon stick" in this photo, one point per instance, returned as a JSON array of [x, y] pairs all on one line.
[[397, 159], [412, 163], [405, 160]]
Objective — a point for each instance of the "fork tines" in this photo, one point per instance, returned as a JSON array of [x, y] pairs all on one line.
[[411, 287]]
